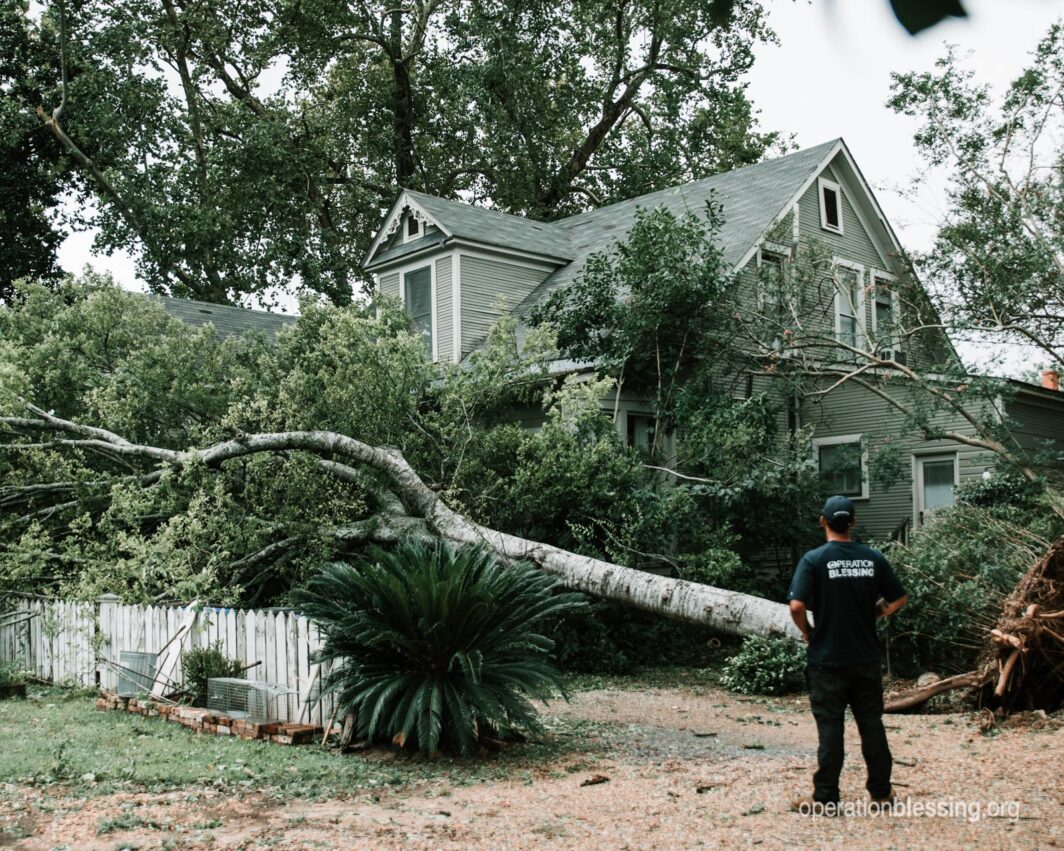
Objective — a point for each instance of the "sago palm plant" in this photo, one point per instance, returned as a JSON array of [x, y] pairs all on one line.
[[435, 648]]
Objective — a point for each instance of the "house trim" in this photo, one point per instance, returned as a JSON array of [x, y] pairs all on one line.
[[930, 454], [413, 267], [823, 183], [394, 220], [483, 251], [456, 305], [861, 331]]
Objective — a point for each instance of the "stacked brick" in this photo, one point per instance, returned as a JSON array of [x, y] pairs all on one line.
[[214, 723]]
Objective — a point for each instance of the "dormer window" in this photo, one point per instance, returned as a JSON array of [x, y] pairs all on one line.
[[830, 205], [413, 227]]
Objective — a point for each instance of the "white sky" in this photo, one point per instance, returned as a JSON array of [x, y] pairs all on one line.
[[830, 76]]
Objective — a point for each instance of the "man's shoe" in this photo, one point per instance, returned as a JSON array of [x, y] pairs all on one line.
[[807, 806], [888, 800]]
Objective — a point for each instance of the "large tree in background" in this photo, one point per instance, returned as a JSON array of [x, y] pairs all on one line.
[[31, 166], [997, 266], [234, 147]]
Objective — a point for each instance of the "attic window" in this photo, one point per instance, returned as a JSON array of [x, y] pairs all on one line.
[[412, 226], [830, 205]]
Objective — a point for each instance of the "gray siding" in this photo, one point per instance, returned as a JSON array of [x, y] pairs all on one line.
[[390, 284], [444, 314], [850, 409], [1036, 420], [484, 284], [855, 245]]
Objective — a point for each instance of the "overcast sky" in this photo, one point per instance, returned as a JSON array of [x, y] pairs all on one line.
[[829, 77]]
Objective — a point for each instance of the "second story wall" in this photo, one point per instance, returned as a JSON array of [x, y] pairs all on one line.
[[488, 284]]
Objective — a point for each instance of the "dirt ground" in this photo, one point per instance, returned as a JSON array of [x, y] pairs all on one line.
[[684, 770]]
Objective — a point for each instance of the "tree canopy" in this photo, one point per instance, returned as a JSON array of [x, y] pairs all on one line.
[[234, 148]]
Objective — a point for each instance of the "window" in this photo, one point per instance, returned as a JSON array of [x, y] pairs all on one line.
[[417, 295], [842, 463], [936, 480], [885, 316], [640, 428], [412, 225], [849, 303], [770, 284], [830, 205]]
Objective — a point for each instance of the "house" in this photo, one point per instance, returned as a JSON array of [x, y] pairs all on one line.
[[457, 267]]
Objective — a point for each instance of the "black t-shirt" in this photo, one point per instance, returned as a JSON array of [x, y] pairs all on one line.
[[840, 583]]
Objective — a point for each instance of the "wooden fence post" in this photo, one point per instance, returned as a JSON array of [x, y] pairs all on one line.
[[105, 617]]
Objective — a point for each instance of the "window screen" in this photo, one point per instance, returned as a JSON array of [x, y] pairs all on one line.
[[418, 294], [848, 302]]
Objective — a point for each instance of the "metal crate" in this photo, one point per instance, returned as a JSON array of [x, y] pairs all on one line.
[[237, 698]]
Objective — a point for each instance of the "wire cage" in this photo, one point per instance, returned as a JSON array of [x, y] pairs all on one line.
[[136, 672], [237, 698]]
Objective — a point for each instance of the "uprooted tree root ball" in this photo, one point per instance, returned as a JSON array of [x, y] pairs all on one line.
[[1024, 667]]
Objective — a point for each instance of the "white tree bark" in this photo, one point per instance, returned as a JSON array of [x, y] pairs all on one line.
[[422, 512]]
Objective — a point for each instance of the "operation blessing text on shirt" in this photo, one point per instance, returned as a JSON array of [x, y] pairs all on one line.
[[850, 568]]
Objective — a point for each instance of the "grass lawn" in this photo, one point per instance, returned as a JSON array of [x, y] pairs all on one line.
[[57, 738]]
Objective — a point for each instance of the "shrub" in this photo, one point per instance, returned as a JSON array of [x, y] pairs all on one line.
[[959, 567], [716, 566], [12, 674], [766, 666], [204, 663], [438, 648]]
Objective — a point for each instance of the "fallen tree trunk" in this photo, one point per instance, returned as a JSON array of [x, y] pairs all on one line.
[[918, 697], [412, 508]]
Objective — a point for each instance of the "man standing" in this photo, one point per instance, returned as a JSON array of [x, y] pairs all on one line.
[[842, 584]]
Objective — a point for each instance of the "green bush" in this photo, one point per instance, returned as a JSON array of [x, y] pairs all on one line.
[[203, 663], [717, 566], [13, 673], [959, 567], [438, 648], [766, 666]]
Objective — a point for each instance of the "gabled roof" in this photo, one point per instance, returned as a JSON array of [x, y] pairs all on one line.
[[457, 220], [752, 199], [228, 320]]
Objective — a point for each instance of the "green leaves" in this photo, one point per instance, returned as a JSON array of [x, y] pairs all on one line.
[[766, 666], [997, 267], [436, 648]]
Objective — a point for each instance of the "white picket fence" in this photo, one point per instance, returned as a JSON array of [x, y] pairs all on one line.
[[66, 642]]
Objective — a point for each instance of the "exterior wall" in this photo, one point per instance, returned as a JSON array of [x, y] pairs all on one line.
[[1035, 420], [854, 245], [483, 284], [850, 409], [390, 284], [444, 312]]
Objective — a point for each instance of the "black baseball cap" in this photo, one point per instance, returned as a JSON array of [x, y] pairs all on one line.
[[838, 508]]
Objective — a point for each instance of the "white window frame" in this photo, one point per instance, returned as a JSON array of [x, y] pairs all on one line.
[[838, 439], [407, 237], [822, 184], [861, 331], [918, 477], [875, 275], [780, 254], [414, 267]]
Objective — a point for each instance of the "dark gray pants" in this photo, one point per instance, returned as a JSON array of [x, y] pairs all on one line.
[[831, 690]]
